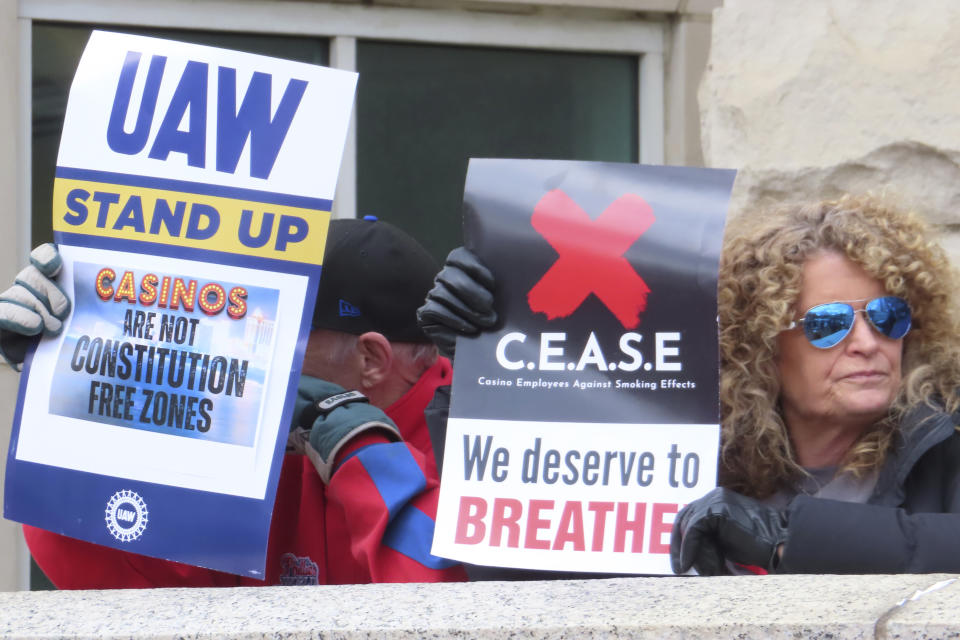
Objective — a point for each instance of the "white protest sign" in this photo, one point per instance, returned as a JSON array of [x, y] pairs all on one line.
[[193, 192]]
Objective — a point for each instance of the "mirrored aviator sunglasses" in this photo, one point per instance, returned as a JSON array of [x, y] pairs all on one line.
[[825, 325]]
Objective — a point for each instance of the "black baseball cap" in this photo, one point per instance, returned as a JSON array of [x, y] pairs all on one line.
[[374, 278]]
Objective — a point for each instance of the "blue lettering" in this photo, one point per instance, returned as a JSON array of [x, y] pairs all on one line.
[[172, 220], [253, 120], [76, 202], [131, 215], [117, 138], [200, 213], [266, 226], [105, 199], [290, 229], [191, 94]]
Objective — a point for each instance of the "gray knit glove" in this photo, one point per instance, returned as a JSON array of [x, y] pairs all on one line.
[[35, 304]]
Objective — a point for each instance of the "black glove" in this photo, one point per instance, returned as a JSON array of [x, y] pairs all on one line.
[[460, 303], [327, 416], [724, 525]]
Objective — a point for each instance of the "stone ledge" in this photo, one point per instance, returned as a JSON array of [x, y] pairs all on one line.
[[745, 607]]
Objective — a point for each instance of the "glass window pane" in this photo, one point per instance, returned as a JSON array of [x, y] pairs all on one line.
[[56, 53], [423, 110]]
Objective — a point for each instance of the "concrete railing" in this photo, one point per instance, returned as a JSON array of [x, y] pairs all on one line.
[[917, 606]]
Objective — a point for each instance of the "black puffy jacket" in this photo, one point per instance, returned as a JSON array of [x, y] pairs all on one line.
[[910, 524]]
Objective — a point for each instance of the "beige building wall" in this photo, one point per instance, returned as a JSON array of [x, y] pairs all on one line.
[[668, 89], [816, 98]]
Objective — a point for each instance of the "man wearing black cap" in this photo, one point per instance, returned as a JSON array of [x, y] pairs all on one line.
[[365, 333], [357, 494], [365, 337]]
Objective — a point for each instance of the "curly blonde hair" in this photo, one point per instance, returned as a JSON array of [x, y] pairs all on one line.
[[759, 284]]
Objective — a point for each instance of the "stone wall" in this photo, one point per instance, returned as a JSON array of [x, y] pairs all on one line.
[[815, 98], [910, 606]]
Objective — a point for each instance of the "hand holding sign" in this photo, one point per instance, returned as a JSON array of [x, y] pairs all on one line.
[[726, 525], [34, 304], [460, 303]]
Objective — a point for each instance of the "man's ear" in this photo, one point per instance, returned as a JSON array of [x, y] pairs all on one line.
[[376, 358]]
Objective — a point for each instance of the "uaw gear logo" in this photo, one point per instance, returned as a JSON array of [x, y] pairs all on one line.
[[298, 572], [126, 516], [591, 257]]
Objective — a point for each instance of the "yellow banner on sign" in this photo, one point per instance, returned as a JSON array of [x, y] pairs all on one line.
[[208, 222]]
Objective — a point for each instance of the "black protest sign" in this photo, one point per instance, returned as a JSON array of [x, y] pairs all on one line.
[[599, 384]]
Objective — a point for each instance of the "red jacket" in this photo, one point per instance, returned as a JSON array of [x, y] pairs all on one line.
[[373, 523]]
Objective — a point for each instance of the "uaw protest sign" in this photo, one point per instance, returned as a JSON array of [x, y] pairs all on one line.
[[192, 196], [589, 415]]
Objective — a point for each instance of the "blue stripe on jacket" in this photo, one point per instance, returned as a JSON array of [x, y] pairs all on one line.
[[399, 480]]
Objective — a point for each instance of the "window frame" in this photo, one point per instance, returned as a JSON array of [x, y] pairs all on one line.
[[345, 24]]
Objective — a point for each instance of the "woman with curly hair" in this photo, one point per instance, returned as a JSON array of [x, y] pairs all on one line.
[[840, 371], [840, 366]]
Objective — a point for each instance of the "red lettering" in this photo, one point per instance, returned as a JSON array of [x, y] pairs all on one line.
[[212, 298], [472, 511], [570, 529], [600, 510], [535, 523], [164, 291], [238, 303], [500, 520], [658, 527], [104, 278], [625, 525], [549, 526], [185, 293], [148, 289], [171, 292], [126, 290]]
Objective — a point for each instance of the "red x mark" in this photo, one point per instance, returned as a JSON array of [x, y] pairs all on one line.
[[591, 257]]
